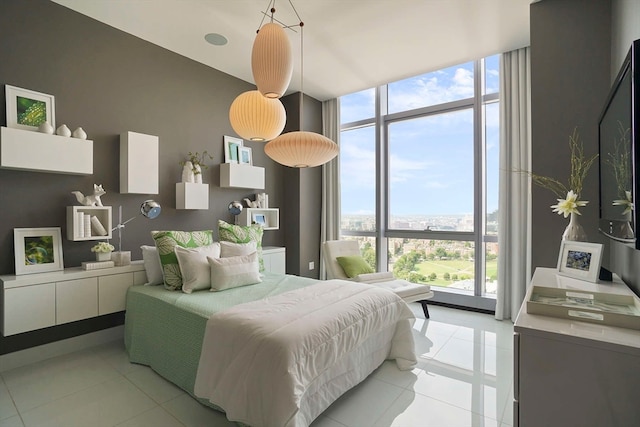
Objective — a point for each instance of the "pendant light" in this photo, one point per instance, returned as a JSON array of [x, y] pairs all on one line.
[[301, 149], [257, 118], [271, 60]]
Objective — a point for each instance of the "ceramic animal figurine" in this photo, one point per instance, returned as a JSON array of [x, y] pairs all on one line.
[[92, 199], [261, 199], [251, 204]]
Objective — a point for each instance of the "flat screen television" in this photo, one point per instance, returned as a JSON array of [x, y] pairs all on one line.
[[618, 137]]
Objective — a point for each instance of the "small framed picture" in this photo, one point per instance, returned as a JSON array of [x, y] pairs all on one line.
[[580, 260], [244, 156], [260, 219], [37, 250], [232, 149], [27, 109]]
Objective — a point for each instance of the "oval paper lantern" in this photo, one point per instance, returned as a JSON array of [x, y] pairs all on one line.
[[257, 118], [272, 61], [301, 149]]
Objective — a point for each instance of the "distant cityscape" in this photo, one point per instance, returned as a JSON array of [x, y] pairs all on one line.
[[437, 255]]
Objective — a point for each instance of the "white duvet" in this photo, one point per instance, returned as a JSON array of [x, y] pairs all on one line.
[[282, 360]]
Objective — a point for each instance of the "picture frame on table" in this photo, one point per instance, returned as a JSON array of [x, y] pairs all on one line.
[[259, 219], [245, 156], [27, 109], [232, 149], [580, 260], [37, 250]]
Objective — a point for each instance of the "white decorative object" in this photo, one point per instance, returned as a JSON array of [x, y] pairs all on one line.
[[139, 166], [87, 225], [261, 198], [46, 128], [79, 133], [187, 172], [91, 199], [197, 174], [103, 256], [121, 258], [97, 229], [574, 230], [251, 204], [63, 130]]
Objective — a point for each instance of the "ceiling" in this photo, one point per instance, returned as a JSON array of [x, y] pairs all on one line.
[[349, 45]]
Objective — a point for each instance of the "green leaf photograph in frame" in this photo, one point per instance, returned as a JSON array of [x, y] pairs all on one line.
[[37, 250], [27, 109]]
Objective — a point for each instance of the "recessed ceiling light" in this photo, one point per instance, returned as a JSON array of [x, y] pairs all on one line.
[[216, 39]]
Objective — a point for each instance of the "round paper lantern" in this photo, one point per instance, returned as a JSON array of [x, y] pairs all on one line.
[[301, 149], [272, 61], [257, 118]]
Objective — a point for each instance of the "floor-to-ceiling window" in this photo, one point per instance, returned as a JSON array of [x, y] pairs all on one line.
[[419, 179]]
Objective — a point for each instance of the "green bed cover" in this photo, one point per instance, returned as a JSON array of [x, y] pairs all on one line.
[[164, 329]]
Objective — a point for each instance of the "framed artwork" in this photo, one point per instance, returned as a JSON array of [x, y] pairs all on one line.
[[244, 156], [27, 109], [580, 260], [260, 219], [231, 149], [37, 250]]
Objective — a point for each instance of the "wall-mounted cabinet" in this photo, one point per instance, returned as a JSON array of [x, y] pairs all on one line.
[[268, 217], [88, 223], [191, 195], [40, 152], [241, 176], [139, 168]]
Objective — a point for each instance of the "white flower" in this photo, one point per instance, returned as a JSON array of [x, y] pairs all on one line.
[[627, 203], [569, 205], [102, 247]]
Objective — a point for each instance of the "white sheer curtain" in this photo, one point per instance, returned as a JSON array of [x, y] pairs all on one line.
[[330, 222], [514, 238]]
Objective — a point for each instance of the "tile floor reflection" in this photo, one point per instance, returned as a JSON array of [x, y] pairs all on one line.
[[464, 377]]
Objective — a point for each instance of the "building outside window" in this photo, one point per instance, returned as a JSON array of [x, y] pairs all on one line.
[[419, 179]]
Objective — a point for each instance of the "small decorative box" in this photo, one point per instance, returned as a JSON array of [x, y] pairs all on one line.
[[95, 265]]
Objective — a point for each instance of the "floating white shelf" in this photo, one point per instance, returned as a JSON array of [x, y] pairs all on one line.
[[76, 230], [190, 195], [241, 176], [270, 215], [40, 152]]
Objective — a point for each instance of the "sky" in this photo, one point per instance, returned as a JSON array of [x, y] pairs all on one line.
[[430, 158]]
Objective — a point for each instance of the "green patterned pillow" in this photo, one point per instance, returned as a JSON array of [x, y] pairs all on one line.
[[242, 234], [166, 241]]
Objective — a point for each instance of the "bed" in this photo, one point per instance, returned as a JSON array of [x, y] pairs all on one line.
[[195, 341]]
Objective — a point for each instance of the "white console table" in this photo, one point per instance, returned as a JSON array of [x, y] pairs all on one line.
[[35, 301], [574, 373]]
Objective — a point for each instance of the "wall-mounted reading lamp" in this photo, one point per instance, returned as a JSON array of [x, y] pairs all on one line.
[[149, 209]]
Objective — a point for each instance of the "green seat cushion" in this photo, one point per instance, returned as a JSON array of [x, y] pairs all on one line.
[[354, 265], [242, 234], [166, 241]]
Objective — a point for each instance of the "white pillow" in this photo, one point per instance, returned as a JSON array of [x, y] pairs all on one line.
[[231, 272], [194, 267], [228, 249], [152, 267]]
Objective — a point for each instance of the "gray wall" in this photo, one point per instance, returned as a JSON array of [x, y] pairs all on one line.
[[570, 69], [109, 82]]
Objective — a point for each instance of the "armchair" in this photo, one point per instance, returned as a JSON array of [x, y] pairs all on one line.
[[410, 292]]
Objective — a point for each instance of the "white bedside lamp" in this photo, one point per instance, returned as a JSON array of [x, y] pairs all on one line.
[[149, 209]]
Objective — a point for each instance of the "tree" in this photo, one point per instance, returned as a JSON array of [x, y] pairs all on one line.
[[446, 276], [433, 276], [454, 277]]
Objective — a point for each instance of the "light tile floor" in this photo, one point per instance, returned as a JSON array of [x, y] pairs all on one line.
[[463, 378]]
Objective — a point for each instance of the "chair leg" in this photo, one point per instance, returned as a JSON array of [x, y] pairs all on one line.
[[425, 309]]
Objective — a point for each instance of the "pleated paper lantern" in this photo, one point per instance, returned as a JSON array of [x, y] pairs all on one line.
[[301, 149], [272, 61], [257, 118]]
